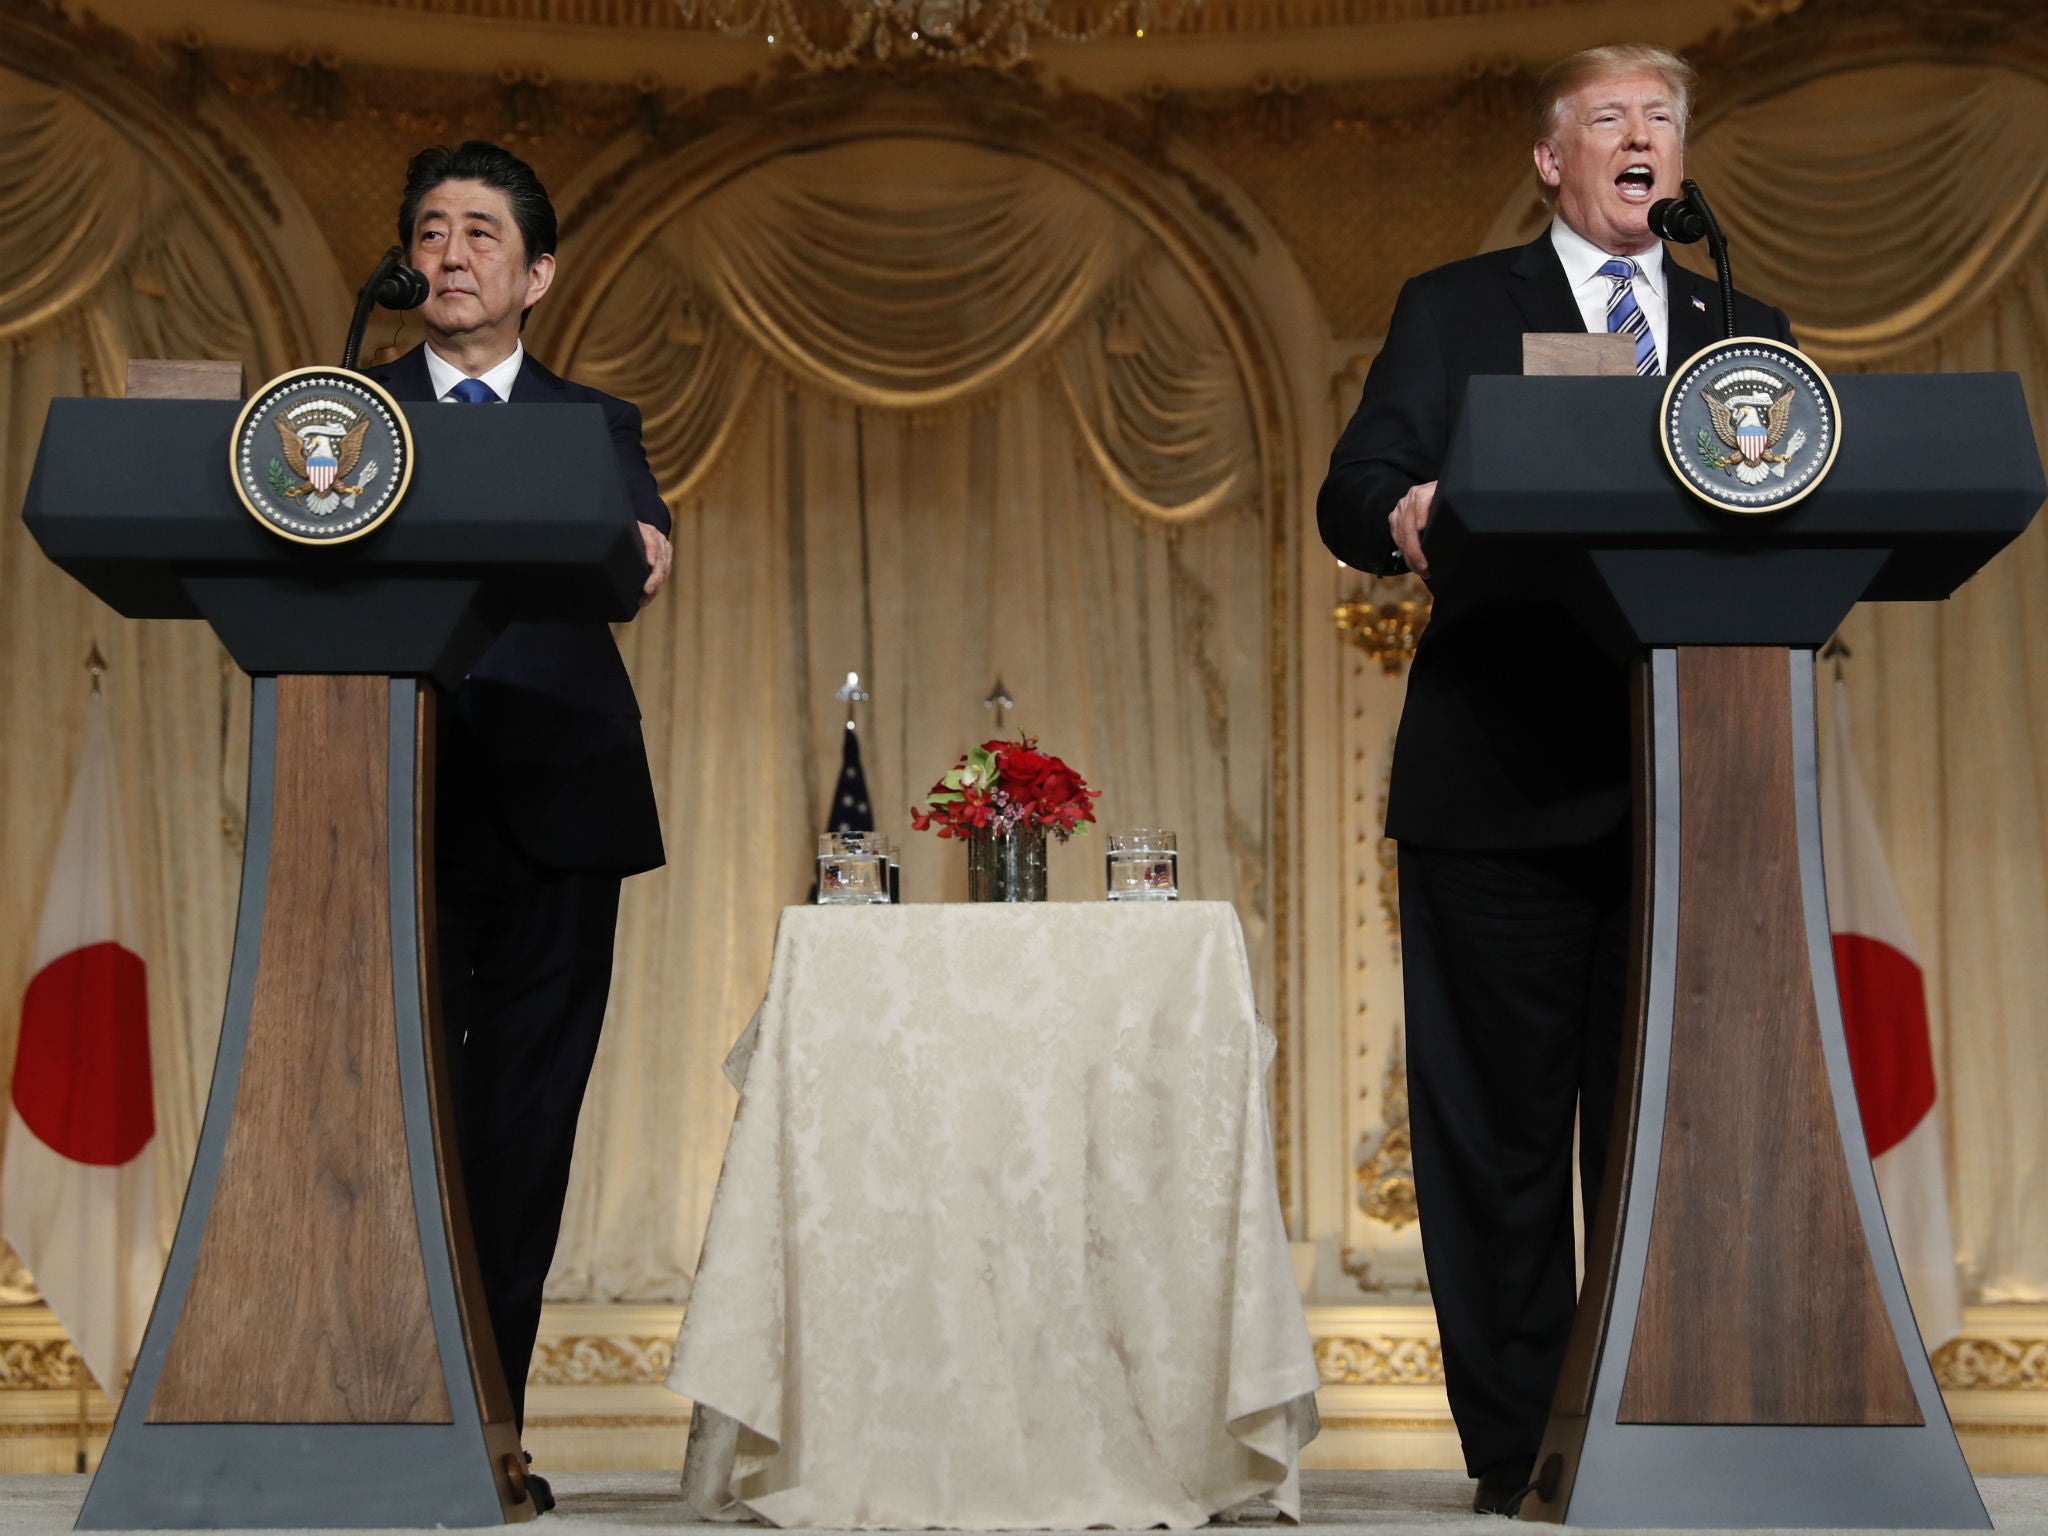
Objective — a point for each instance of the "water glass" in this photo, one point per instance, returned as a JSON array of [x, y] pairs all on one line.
[[1143, 865], [853, 869]]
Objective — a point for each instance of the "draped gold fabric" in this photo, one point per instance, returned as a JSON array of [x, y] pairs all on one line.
[[102, 259], [1899, 215], [952, 416], [918, 275]]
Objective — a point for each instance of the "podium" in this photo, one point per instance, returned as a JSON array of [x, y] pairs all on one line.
[[1744, 1354], [319, 1353]]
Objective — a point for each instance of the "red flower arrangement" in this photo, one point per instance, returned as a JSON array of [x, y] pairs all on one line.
[[1000, 786]]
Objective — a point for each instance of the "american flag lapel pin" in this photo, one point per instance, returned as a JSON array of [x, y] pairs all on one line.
[[1699, 304]]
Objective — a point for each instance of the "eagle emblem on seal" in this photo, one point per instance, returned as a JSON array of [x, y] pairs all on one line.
[[322, 442], [321, 455], [1750, 410], [1749, 424]]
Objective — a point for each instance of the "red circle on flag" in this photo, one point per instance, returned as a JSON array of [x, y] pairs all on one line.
[[81, 1071], [1884, 1015]]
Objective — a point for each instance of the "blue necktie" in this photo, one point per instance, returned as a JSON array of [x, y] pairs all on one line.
[[473, 392], [1625, 317]]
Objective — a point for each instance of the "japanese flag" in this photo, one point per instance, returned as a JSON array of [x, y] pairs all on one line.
[[1884, 1012], [77, 1186]]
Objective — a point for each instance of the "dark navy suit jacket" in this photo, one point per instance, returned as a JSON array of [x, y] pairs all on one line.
[[550, 706], [1514, 734]]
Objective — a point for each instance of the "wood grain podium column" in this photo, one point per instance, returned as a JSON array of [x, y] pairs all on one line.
[[319, 1354], [1760, 1301], [312, 1255], [1744, 1353]]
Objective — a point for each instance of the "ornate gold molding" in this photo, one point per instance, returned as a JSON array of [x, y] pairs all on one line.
[[1372, 1421], [2003, 1431], [680, 1420], [1965, 1364], [1997, 1365], [588, 1360], [56, 1429], [17, 1285], [1386, 1165], [41, 1365], [1216, 16], [1379, 1362], [1388, 630]]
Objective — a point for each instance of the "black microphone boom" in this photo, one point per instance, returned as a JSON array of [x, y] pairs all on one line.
[[1686, 219], [393, 285]]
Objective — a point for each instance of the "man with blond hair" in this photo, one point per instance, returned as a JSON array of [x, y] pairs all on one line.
[[1511, 789]]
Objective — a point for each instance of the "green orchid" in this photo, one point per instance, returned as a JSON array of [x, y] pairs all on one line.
[[978, 772]]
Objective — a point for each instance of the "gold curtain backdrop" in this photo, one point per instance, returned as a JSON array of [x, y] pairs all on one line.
[[912, 275], [1899, 215], [953, 415], [936, 411], [104, 257]]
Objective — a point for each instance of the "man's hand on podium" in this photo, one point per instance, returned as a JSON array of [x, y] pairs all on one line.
[[659, 557], [1407, 521]]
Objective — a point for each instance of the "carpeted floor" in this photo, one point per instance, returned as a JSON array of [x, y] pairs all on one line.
[[1368, 1503]]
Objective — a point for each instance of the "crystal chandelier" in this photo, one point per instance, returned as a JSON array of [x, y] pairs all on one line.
[[834, 34]]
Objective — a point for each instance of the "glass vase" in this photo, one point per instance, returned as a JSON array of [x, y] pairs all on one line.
[[1006, 866]]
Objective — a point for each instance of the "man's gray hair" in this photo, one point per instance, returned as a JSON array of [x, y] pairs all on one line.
[[1567, 75]]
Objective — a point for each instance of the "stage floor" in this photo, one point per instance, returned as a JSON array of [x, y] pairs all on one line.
[[1374, 1503]]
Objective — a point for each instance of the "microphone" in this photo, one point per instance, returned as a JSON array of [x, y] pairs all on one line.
[[393, 285], [1677, 219], [1687, 219]]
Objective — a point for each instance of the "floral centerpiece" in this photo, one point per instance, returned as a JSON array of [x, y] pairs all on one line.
[[1001, 799]]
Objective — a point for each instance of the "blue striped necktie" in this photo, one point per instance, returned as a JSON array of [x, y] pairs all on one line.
[[1625, 316], [474, 392]]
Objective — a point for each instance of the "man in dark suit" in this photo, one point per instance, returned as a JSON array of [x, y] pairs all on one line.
[[543, 798], [1511, 786]]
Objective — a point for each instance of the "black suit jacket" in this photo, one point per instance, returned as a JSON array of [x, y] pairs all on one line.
[[1515, 730], [549, 709]]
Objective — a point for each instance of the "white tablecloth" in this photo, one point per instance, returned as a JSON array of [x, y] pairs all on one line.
[[997, 1242]]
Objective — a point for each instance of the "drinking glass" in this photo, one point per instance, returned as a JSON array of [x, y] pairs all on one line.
[[853, 869], [1143, 864]]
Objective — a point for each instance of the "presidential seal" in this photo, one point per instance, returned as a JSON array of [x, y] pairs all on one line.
[[321, 455], [1750, 424]]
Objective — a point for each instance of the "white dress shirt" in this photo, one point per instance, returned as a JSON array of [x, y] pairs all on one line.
[[445, 375], [1582, 263]]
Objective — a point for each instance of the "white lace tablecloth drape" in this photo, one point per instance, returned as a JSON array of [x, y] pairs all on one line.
[[997, 1243]]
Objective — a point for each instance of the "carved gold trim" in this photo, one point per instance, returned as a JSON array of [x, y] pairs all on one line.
[[1995, 1365], [54, 1429], [1379, 1362], [1997, 1431], [590, 1360], [678, 1421], [1387, 1421], [17, 1285], [1386, 631], [1386, 1165], [41, 1365], [1214, 16]]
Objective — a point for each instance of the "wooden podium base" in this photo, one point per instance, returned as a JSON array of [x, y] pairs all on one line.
[[1744, 1354], [319, 1354]]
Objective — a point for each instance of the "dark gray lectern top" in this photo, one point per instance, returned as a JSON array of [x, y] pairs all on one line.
[[1562, 481], [515, 513]]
